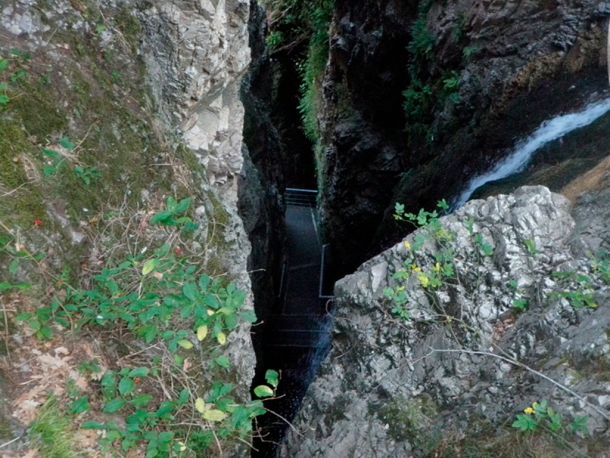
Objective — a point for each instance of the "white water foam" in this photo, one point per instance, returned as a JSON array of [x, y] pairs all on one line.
[[524, 151]]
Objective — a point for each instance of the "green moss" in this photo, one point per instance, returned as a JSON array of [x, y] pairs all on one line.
[[38, 107], [219, 220], [413, 421], [25, 203], [13, 143], [129, 26]]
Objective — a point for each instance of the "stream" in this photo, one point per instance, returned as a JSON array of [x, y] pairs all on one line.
[[525, 150]]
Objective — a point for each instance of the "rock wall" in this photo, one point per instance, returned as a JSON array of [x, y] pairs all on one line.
[[450, 376], [262, 183], [480, 75], [147, 94], [196, 54]]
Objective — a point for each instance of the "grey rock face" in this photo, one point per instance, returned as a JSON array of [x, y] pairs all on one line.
[[196, 55], [395, 387]]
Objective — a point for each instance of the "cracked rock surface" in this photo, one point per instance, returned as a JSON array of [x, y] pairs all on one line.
[[465, 363]]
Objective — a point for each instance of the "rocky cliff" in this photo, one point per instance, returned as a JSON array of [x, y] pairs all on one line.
[[108, 111], [443, 340], [417, 98]]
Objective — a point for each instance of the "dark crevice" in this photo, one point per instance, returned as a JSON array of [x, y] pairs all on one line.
[[294, 325]]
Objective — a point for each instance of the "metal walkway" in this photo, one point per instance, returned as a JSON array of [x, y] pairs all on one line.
[[297, 337], [302, 324]]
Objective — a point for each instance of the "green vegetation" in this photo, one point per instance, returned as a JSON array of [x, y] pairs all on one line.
[[428, 267], [79, 152], [430, 86], [162, 300], [52, 432], [293, 21], [540, 416]]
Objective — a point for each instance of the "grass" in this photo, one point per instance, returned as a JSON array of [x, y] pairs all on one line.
[[51, 432]]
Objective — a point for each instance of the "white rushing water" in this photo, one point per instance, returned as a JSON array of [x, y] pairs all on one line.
[[548, 131]]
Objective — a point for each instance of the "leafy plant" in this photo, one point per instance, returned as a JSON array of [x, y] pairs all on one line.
[[422, 40], [520, 305], [469, 52], [87, 175], [275, 39], [313, 67], [40, 322], [266, 391], [530, 246], [174, 214], [485, 248], [55, 162], [540, 416]]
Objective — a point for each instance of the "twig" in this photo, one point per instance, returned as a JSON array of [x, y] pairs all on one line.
[[6, 444], [6, 339], [12, 191], [285, 420], [524, 366]]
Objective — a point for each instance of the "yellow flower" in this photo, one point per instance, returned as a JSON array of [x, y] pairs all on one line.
[[407, 245], [529, 410], [424, 280], [415, 268], [437, 267]]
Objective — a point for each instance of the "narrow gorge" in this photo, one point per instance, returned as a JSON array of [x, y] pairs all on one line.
[[284, 228]]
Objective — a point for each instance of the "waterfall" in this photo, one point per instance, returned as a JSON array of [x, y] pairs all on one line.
[[521, 155]]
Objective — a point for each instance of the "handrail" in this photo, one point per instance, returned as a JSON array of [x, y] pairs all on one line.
[[280, 292], [321, 294], [298, 190]]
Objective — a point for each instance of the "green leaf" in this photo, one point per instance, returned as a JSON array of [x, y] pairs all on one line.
[[272, 377], [126, 386], [4, 100], [45, 333], [108, 384], [580, 425], [93, 425], [521, 305], [190, 291], [25, 316], [249, 316], [80, 405], [142, 401], [525, 423], [555, 418], [223, 361], [149, 266], [214, 415], [163, 218], [183, 206], [3, 65], [186, 344], [67, 143], [139, 372], [115, 405], [263, 391], [202, 332]]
